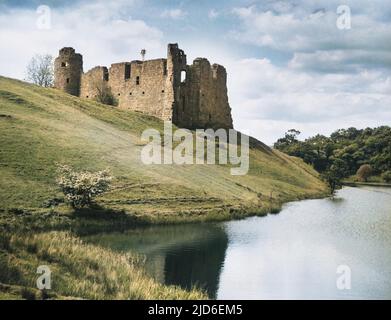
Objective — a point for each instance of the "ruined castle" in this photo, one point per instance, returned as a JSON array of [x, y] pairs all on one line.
[[191, 96]]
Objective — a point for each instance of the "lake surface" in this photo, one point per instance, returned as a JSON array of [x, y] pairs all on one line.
[[292, 255]]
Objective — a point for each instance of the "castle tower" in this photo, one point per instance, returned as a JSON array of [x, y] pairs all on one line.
[[68, 68]]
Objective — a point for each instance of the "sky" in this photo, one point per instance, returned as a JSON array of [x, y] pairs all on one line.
[[310, 65]]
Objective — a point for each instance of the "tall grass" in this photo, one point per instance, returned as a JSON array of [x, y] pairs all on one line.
[[81, 270]]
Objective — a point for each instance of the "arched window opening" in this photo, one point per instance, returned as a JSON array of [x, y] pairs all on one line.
[[137, 80], [183, 76]]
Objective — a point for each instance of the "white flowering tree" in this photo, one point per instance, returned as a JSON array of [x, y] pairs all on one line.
[[80, 187]]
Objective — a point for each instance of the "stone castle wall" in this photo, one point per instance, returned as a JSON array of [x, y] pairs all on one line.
[[68, 69], [191, 96]]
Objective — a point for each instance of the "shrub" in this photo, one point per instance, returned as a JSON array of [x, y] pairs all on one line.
[[386, 176], [80, 187], [104, 94], [364, 172]]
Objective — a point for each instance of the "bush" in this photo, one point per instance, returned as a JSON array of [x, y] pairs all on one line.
[[364, 172], [80, 187], [104, 94], [386, 176]]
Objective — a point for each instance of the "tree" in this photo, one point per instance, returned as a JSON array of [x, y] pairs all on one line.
[[103, 93], [387, 176], [334, 175], [40, 70], [79, 188], [364, 172], [353, 146], [289, 139]]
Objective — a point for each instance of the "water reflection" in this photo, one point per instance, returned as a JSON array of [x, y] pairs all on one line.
[[292, 255], [184, 255]]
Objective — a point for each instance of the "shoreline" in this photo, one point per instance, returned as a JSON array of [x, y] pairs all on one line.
[[368, 184], [49, 238]]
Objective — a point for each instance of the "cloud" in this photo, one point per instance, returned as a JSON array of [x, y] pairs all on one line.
[[289, 32], [337, 61], [296, 69], [174, 13], [97, 30], [281, 98], [329, 78], [213, 14]]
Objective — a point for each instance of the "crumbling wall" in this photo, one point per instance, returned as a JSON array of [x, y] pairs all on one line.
[[192, 96], [68, 69], [203, 102], [92, 81], [141, 86]]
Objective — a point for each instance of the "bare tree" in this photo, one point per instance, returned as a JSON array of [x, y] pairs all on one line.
[[40, 70], [103, 93]]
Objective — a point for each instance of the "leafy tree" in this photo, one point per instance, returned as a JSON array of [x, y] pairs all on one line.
[[40, 70], [387, 176], [364, 172], [334, 175], [289, 139], [79, 188], [354, 147]]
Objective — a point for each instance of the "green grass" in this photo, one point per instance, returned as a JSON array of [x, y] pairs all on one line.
[[41, 127], [81, 270]]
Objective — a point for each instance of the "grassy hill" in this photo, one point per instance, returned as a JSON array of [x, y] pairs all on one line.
[[41, 127]]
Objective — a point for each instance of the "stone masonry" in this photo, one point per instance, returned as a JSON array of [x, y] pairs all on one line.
[[191, 96]]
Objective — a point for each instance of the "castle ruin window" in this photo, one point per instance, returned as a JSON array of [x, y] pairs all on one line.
[[127, 71], [210, 117], [183, 76], [165, 68], [64, 64], [137, 80], [67, 80], [130, 93]]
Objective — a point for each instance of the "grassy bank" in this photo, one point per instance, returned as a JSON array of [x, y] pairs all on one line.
[[41, 127], [79, 270]]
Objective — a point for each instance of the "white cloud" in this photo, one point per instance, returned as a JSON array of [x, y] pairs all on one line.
[[341, 60], [174, 13], [95, 30], [290, 32], [335, 78], [268, 100], [213, 14]]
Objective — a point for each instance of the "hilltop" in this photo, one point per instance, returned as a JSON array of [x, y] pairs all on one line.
[[41, 127]]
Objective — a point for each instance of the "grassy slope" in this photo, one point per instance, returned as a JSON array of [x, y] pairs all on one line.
[[40, 127]]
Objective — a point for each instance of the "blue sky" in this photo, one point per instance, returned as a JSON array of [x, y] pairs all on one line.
[[288, 64]]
